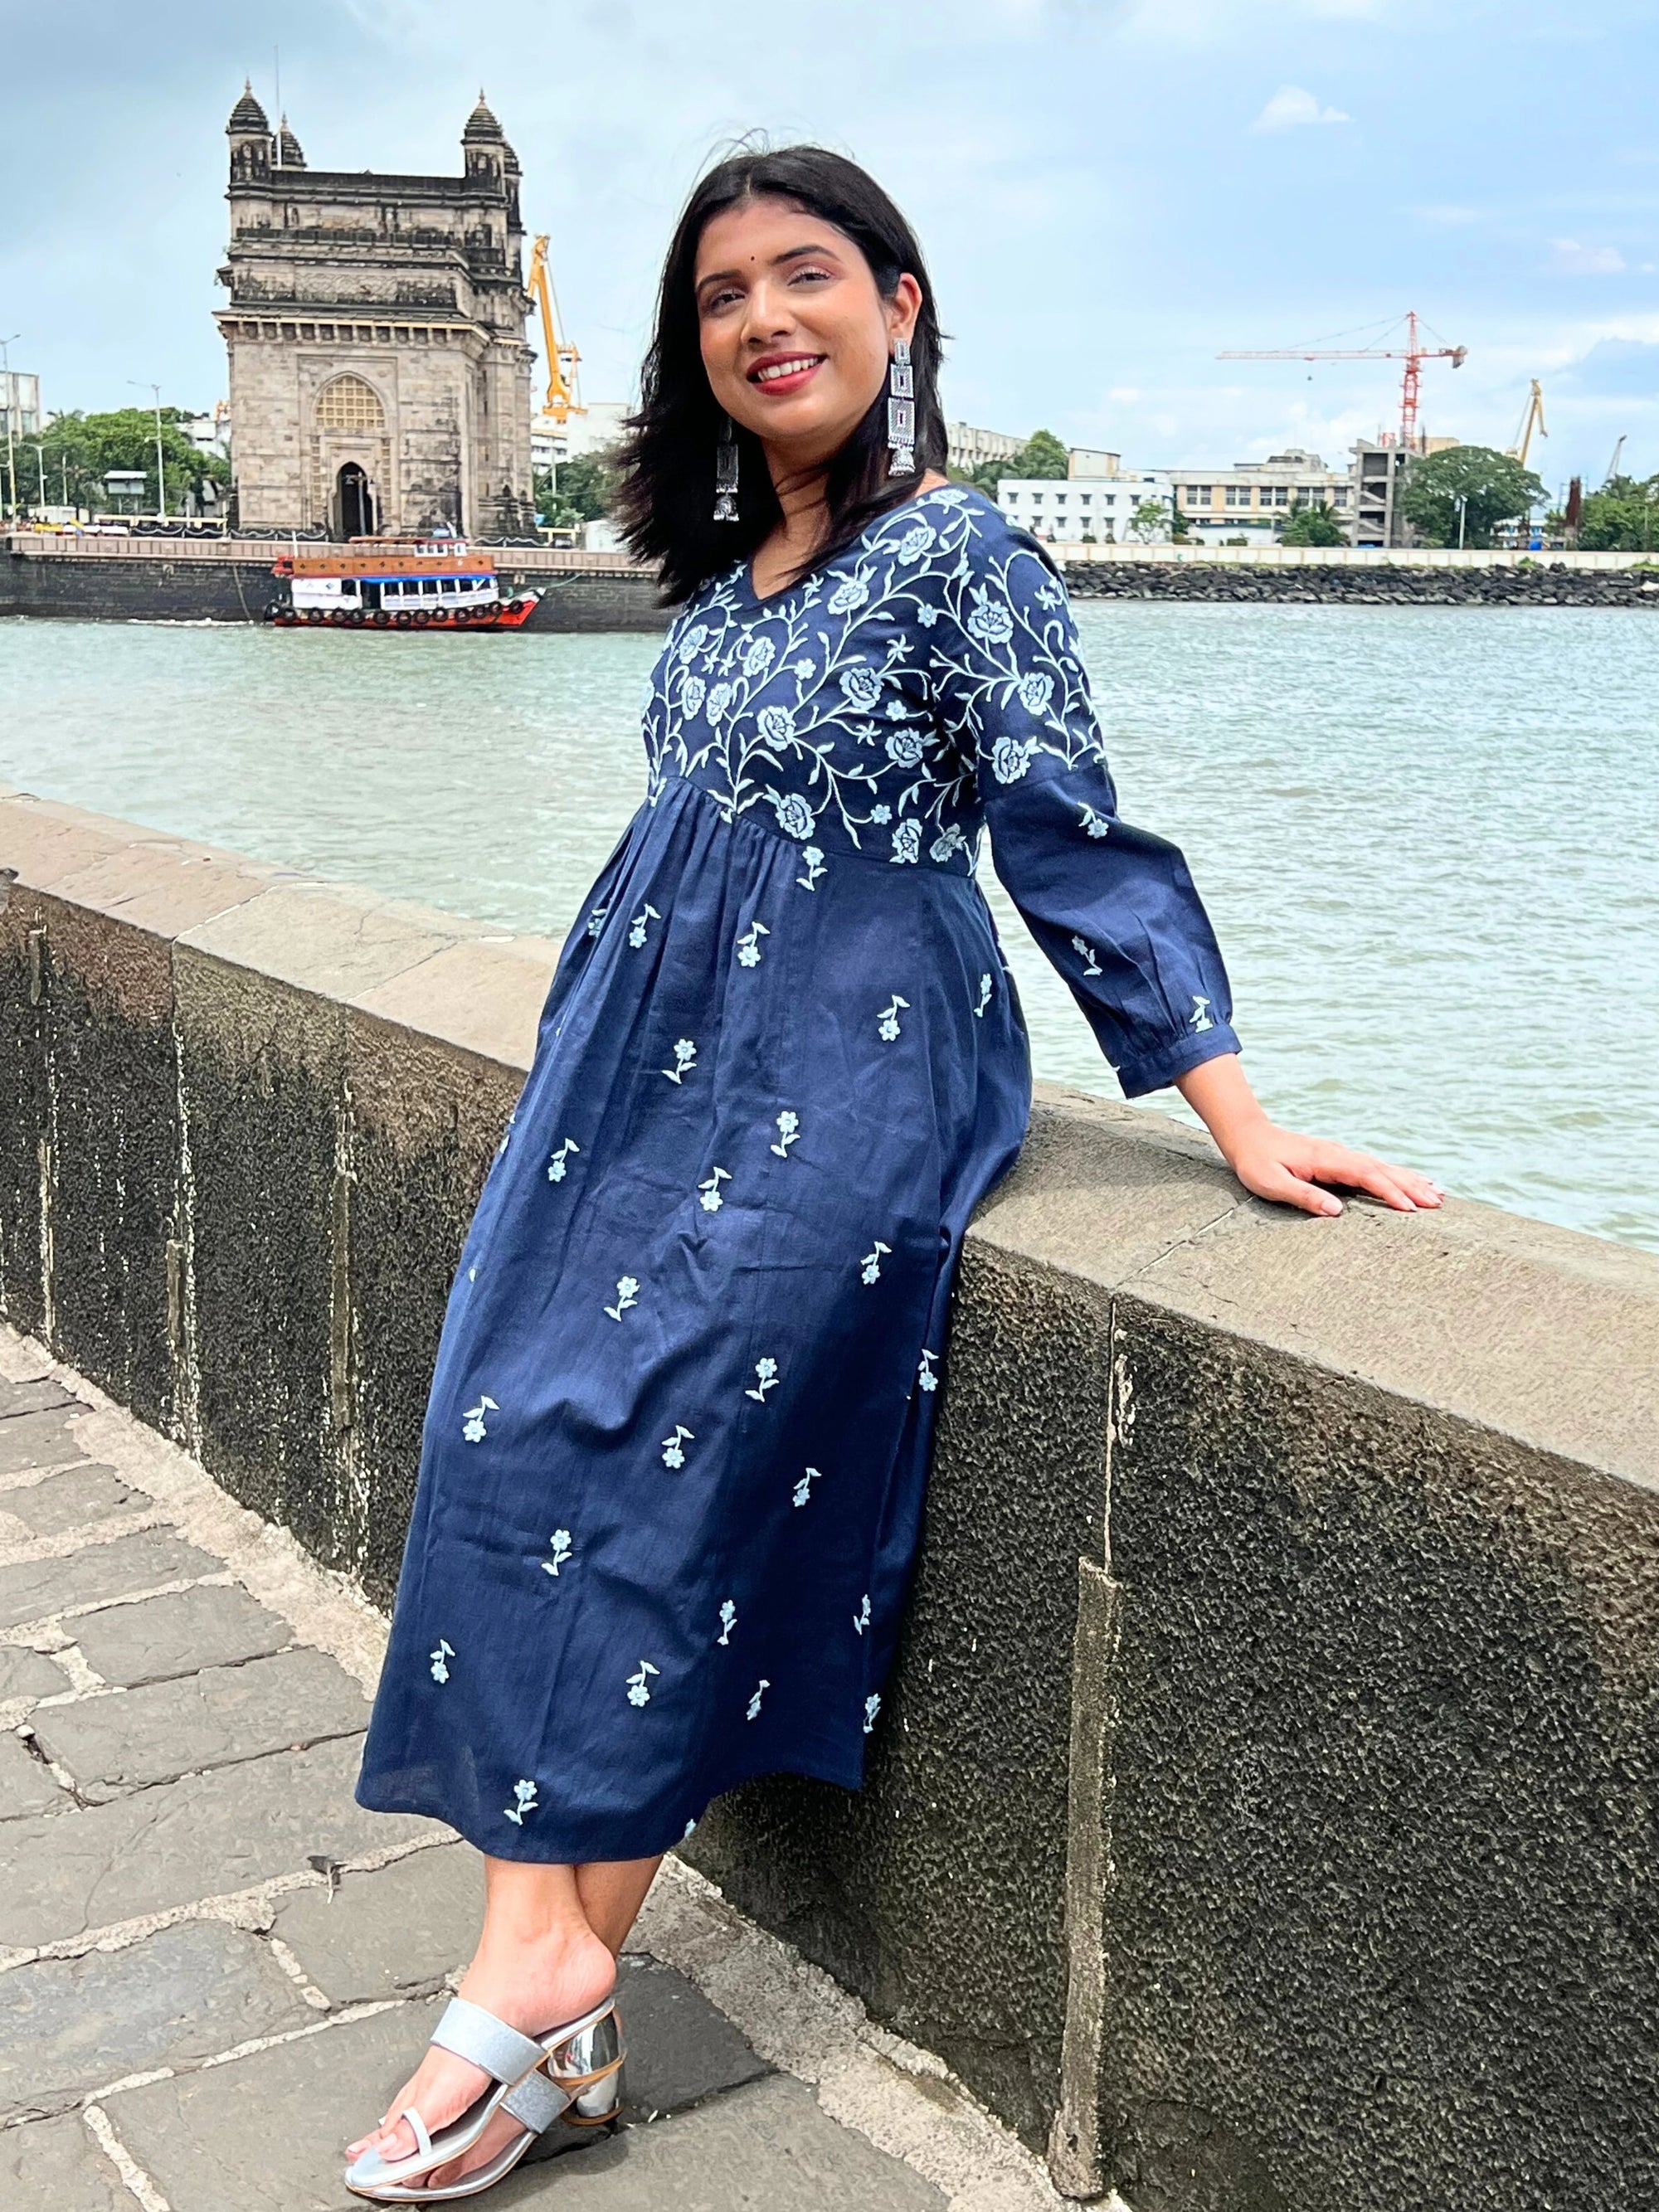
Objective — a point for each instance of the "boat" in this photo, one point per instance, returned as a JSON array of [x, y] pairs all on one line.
[[395, 583]]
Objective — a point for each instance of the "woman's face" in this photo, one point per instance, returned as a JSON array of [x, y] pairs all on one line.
[[795, 336]]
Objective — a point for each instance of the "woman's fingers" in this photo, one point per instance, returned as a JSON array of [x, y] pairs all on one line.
[[1278, 1182]]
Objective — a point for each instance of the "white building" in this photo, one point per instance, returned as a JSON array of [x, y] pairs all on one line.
[[969, 449], [1096, 504], [1251, 499], [600, 424]]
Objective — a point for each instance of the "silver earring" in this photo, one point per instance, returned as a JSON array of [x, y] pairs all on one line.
[[901, 412], [726, 474]]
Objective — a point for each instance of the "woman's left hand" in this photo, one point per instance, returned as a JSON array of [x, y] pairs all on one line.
[[1279, 1164]]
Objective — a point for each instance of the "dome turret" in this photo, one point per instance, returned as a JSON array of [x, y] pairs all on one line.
[[288, 151], [247, 118], [482, 126]]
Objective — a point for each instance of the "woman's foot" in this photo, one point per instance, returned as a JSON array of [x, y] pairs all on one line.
[[533, 1986]]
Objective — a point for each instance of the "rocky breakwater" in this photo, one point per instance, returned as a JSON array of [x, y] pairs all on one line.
[[1398, 584]]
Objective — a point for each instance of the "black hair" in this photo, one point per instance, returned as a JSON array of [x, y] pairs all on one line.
[[666, 496]]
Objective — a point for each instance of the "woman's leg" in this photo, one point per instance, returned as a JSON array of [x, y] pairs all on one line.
[[540, 1959]]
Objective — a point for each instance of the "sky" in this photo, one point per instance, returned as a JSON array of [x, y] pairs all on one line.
[[1110, 192]]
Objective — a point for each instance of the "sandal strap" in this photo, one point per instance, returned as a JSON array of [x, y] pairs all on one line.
[[537, 2102], [477, 2036], [417, 2127]]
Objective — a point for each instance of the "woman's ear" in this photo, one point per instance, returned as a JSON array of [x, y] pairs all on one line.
[[903, 308]]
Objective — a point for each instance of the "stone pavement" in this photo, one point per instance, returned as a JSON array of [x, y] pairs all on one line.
[[214, 1969]]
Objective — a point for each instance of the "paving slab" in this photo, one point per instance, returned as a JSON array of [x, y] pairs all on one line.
[[682, 2049], [74, 1500], [214, 1626], [54, 2166], [40, 1396], [69, 2025], [136, 1738], [210, 1835], [28, 1675], [42, 1439], [26, 1785], [397, 1932], [267, 2133], [44, 1587]]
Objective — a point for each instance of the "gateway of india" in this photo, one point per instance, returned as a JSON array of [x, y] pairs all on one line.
[[380, 380]]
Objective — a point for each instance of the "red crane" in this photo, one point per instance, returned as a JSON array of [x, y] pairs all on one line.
[[1413, 353]]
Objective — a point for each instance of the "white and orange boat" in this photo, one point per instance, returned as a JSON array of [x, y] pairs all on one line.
[[396, 583]]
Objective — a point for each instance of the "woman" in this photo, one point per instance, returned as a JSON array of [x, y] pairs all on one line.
[[678, 1432]]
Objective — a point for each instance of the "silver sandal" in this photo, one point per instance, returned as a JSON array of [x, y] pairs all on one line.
[[533, 2079]]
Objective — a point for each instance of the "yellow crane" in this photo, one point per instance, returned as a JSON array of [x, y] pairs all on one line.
[[564, 385], [1531, 421]]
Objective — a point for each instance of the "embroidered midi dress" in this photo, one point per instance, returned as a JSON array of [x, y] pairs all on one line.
[[676, 1444]]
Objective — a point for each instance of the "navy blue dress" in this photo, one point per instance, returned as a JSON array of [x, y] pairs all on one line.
[[678, 1439]]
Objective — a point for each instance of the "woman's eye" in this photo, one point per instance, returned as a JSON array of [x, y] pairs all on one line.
[[815, 276], [715, 300]]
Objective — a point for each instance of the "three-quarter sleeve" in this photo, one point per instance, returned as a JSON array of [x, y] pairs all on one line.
[[1113, 907]]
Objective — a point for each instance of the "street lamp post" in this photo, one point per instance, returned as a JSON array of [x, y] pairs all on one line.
[[160, 465], [11, 411], [1462, 517]]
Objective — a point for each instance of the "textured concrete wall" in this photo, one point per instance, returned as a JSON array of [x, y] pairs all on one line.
[[1264, 1818]]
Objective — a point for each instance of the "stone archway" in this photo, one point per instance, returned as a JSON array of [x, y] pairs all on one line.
[[354, 502], [350, 455]]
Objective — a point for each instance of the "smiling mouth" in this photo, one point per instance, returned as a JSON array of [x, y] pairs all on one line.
[[788, 374]]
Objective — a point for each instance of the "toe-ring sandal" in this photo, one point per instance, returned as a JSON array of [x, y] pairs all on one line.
[[518, 2084]]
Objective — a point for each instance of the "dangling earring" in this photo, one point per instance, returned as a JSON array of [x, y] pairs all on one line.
[[726, 474], [901, 412]]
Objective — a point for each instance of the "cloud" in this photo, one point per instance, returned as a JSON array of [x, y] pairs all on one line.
[[1290, 106], [1572, 259], [1616, 368]]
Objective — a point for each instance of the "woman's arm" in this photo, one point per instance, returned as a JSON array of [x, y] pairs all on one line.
[[1277, 1162]]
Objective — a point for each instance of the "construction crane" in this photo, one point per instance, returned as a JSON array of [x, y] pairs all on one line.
[[564, 385], [1413, 353], [1531, 421], [1618, 456]]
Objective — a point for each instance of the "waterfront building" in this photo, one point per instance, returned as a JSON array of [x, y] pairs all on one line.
[[1252, 499], [1093, 503], [599, 425], [380, 379], [20, 405], [967, 448]]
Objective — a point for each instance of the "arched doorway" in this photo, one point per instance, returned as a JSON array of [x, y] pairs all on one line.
[[354, 502]]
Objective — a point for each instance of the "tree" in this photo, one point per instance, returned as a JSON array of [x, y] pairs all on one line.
[[80, 450], [1312, 525], [1041, 455], [580, 489], [1150, 519], [1493, 488], [1623, 517]]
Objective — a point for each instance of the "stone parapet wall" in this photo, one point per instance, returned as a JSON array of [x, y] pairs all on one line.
[[1262, 1818]]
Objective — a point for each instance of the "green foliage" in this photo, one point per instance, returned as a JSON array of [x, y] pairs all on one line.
[[81, 449], [579, 490], [1314, 524], [1181, 528], [1623, 517], [1150, 519], [1494, 487], [1041, 455]]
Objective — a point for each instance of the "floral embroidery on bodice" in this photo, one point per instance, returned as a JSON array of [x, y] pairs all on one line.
[[858, 710]]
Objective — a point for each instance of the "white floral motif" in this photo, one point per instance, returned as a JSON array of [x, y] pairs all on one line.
[[852, 591], [595, 920], [776, 724], [926, 1378], [693, 692], [627, 1294], [766, 1378], [814, 860], [692, 642], [673, 1448], [639, 1690], [1036, 690], [869, 1265], [728, 1621], [947, 844], [1096, 824], [711, 1201], [907, 843], [718, 700], [760, 1691], [804, 1487], [685, 1059], [1090, 965], [639, 927], [524, 1801], [861, 1618], [984, 996], [887, 1024], [444, 1653], [872, 1707], [748, 951], [905, 748], [688, 1829], [794, 815], [913, 543], [882, 814], [1199, 1017], [860, 687], [759, 657], [1010, 757], [559, 1542], [473, 1427], [788, 1132], [990, 619], [556, 1168]]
